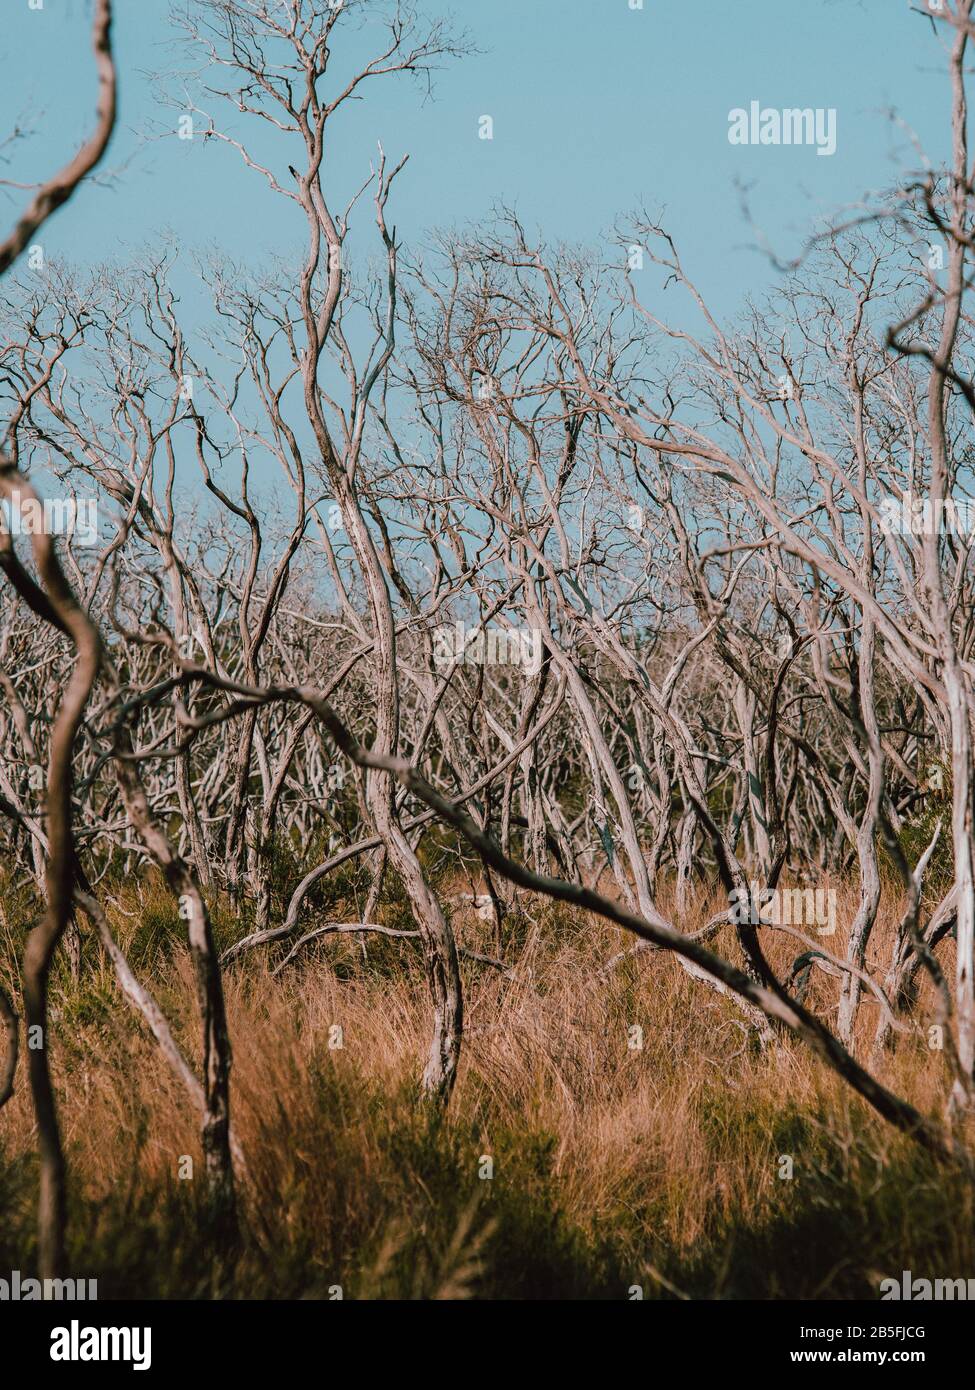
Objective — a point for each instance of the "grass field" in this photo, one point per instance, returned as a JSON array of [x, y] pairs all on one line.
[[573, 1162]]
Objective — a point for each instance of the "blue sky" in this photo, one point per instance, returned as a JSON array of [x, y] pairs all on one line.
[[596, 107]]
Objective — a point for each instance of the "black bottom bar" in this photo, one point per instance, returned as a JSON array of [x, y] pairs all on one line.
[[188, 1340]]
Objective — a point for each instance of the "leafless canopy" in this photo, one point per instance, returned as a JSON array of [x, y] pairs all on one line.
[[621, 612]]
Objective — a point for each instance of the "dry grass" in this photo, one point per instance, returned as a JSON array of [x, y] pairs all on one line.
[[612, 1166]]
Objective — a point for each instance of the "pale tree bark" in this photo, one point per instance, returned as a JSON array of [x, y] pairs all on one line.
[[954, 677], [57, 604]]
